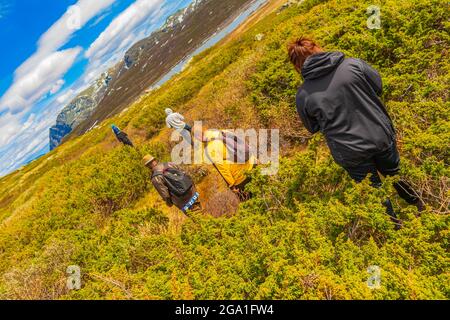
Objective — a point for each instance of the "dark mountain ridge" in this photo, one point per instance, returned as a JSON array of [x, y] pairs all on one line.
[[151, 58]]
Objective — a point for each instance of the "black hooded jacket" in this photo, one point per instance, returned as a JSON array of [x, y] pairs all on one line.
[[340, 98], [123, 137]]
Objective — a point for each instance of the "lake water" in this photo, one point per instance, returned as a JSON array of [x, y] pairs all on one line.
[[211, 41]]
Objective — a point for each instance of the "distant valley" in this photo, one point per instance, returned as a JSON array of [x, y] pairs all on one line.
[[143, 65]]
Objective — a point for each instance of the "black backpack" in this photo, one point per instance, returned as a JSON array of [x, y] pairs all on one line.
[[178, 182]]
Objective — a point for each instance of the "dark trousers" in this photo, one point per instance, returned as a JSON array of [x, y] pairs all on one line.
[[242, 194], [123, 137], [388, 164]]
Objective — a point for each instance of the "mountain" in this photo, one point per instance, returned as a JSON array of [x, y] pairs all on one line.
[[79, 109], [149, 59], [146, 62], [309, 232]]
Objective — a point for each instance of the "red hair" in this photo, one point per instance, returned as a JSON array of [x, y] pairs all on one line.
[[300, 49]]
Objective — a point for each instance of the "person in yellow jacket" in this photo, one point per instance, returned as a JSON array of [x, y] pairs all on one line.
[[231, 157]]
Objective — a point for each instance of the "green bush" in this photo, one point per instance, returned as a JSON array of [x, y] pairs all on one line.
[[308, 233]]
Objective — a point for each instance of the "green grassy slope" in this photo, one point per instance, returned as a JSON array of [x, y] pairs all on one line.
[[309, 232]]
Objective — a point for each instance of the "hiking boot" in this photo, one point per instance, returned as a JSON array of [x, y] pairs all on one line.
[[420, 206], [392, 214], [389, 208]]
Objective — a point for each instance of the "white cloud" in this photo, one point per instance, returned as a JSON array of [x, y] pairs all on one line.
[[62, 30], [10, 126], [66, 97], [100, 18], [57, 86], [37, 76], [117, 35], [133, 24], [26, 139], [22, 133], [42, 79]]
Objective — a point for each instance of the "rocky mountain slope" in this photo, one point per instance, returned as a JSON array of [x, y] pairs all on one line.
[[146, 62], [79, 109]]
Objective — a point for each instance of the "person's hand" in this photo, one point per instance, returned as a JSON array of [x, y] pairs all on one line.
[[169, 203]]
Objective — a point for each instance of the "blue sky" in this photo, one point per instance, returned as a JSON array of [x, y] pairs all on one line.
[[51, 50]]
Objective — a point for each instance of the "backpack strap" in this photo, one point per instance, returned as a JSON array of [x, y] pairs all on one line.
[[160, 172], [215, 166]]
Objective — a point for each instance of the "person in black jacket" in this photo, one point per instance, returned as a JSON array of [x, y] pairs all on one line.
[[121, 136], [340, 97]]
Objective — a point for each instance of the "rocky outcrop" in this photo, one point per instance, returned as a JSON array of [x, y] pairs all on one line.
[[148, 60], [144, 64], [57, 133], [72, 115], [78, 110]]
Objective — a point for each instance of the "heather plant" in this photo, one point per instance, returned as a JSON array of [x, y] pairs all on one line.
[[308, 232]]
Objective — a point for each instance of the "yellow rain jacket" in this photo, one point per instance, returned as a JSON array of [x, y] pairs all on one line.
[[216, 151]]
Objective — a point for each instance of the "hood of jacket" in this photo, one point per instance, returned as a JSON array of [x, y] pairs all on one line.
[[321, 64]]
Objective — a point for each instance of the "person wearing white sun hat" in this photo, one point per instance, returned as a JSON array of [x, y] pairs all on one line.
[[176, 121]]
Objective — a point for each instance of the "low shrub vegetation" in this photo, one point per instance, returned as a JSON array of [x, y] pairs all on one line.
[[308, 233]]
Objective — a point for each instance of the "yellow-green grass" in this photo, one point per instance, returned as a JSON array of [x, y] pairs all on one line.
[[308, 233]]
